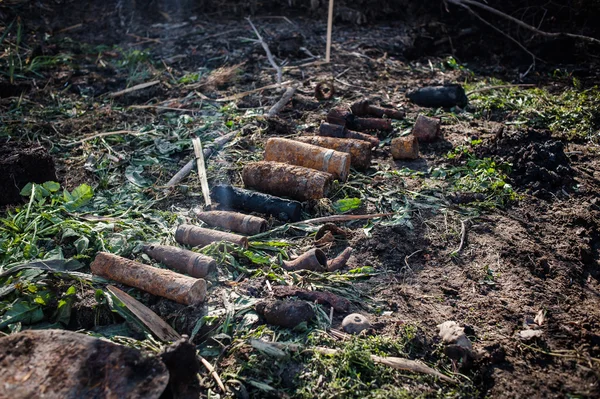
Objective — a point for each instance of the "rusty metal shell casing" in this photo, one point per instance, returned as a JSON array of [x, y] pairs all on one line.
[[364, 108], [195, 236], [285, 180], [161, 282], [234, 221], [333, 130], [406, 147], [188, 262], [426, 128], [314, 260], [252, 201], [310, 156], [359, 150], [343, 117]]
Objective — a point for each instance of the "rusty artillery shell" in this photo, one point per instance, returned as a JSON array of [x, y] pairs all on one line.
[[252, 201], [310, 156], [339, 261], [333, 130], [439, 96], [188, 262], [161, 282], [234, 221], [314, 260], [406, 147], [343, 117], [426, 128], [286, 180], [195, 236], [364, 108], [359, 150]]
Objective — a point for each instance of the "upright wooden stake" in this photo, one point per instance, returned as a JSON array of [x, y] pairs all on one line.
[[201, 170], [329, 26]]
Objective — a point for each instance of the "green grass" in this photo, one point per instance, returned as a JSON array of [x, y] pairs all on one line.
[[571, 113]]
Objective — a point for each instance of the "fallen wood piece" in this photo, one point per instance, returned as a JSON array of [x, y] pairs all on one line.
[[329, 28], [314, 260], [160, 282], [338, 303], [359, 150], [309, 156], [252, 201], [344, 117], [286, 180], [287, 96], [286, 314], [201, 170], [65, 364], [333, 130], [345, 218], [439, 96], [364, 108], [147, 317], [183, 260], [234, 221], [103, 134], [141, 86], [234, 97], [267, 51], [340, 261], [195, 236], [398, 363], [217, 144], [405, 147]]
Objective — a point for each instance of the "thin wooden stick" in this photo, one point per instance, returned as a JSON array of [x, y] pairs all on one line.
[[246, 93], [134, 88], [213, 373], [269, 55], [329, 27], [201, 170], [183, 172], [104, 134], [522, 24], [287, 96], [344, 218]]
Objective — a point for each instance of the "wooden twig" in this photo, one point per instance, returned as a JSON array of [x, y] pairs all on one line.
[[246, 93], [287, 96], [141, 86], [398, 363], [522, 24], [269, 55], [160, 107], [213, 373], [329, 28], [104, 134], [344, 218], [463, 236], [201, 170], [217, 144], [509, 37]]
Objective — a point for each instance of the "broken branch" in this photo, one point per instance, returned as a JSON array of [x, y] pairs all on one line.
[[269, 55]]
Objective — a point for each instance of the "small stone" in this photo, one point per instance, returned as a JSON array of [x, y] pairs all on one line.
[[426, 128], [355, 323], [406, 147]]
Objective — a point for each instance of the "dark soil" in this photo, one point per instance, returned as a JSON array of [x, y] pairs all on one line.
[[21, 164]]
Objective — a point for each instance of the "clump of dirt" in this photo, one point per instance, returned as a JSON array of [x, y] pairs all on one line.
[[21, 164], [539, 163]]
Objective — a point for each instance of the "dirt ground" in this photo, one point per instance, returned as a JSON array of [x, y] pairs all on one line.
[[530, 264]]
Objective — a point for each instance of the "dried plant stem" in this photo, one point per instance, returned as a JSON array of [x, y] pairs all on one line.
[[269, 55]]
